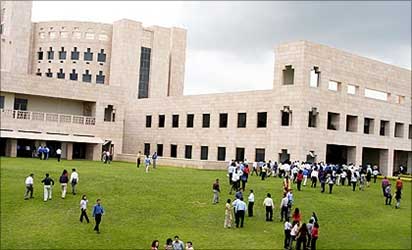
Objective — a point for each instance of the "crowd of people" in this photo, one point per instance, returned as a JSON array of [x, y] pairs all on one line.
[[176, 244]]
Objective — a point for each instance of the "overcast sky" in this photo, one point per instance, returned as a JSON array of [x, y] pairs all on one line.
[[230, 44]]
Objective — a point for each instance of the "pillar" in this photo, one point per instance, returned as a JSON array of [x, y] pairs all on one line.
[[11, 147], [409, 163], [358, 156], [93, 152], [69, 151]]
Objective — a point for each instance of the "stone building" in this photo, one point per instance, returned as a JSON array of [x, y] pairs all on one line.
[[88, 87]]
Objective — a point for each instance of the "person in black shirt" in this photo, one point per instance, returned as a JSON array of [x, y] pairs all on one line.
[[64, 179], [48, 183]]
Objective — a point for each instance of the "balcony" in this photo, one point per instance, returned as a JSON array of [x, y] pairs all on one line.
[[47, 117]]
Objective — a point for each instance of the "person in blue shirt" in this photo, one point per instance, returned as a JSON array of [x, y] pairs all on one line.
[[98, 211], [240, 209]]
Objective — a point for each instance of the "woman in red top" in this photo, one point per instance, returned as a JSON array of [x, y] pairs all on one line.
[[296, 217], [315, 234], [399, 184], [299, 179]]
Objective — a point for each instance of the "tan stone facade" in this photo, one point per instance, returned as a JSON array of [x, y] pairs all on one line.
[[325, 105]]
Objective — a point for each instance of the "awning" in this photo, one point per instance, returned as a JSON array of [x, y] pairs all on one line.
[[50, 137]]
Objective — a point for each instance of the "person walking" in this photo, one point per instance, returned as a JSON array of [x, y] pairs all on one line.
[[64, 179], [138, 161], [29, 186], [314, 177], [240, 209], [48, 185], [353, 180], [293, 233], [228, 215], [330, 181], [59, 154], [305, 176], [74, 179], [284, 208], [287, 228], [302, 237], [147, 163], [299, 179], [245, 176], [399, 184], [216, 191], [83, 209], [98, 212], [385, 183], [314, 236], [268, 203], [375, 173], [251, 203], [388, 195], [398, 194], [46, 153], [154, 159], [296, 216]]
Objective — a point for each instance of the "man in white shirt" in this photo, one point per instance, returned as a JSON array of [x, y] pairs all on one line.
[[74, 179], [287, 227], [59, 154], [29, 187], [251, 202], [268, 202], [284, 208]]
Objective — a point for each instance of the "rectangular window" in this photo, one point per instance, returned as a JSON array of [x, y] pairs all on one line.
[[368, 126], [38, 73], [50, 54], [399, 129], [40, 55], [206, 121], [241, 120], [400, 99], [333, 121], [42, 35], [286, 118], [62, 54], [334, 86], [20, 104], [100, 78], [161, 121], [147, 149], [384, 128], [64, 34], [261, 119], [87, 77], [76, 35], [101, 57], [159, 149], [1, 102], [73, 75], [410, 132], [89, 36], [189, 120], [221, 153], [204, 152], [103, 37], [314, 77], [144, 72], [313, 118], [351, 123], [223, 120], [173, 150], [88, 55], [52, 35], [288, 75], [61, 74], [188, 151], [260, 154], [240, 154], [75, 54], [175, 121], [352, 89], [148, 121], [49, 73], [376, 94]]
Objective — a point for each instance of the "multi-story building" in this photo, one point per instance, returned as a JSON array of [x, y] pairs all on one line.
[[87, 87]]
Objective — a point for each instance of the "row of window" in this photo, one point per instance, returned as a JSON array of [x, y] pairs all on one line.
[[333, 122], [204, 152], [75, 34], [315, 79], [86, 77], [74, 54]]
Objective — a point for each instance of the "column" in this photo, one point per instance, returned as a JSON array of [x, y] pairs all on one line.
[[69, 151], [93, 152], [390, 162], [11, 147], [359, 155]]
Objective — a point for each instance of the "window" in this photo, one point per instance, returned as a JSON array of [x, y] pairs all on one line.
[[221, 153], [38, 73], [352, 89], [351, 123], [64, 34], [399, 129], [42, 35], [189, 120], [188, 151], [147, 149], [314, 77], [223, 120], [286, 119], [73, 75], [161, 121], [1, 102], [20, 104], [204, 151], [241, 120], [62, 54], [313, 118], [87, 77], [400, 99], [101, 57], [109, 114], [40, 54], [100, 77], [52, 35], [75, 54], [206, 121], [288, 75], [259, 154], [410, 132], [144, 72], [50, 54], [173, 151], [261, 119], [89, 36], [240, 154], [49, 73], [159, 149], [334, 86], [103, 37], [148, 121], [175, 121], [384, 128], [77, 35], [61, 74], [376, 94], [333, 121], [368, 125], [88, 55]]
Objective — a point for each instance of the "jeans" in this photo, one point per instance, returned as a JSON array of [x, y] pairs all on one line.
[[269, 213], [240, 216], [29, 190], [284, 213], [314, 181], [98, 219], [215, 196], [299, 183], [287, 241], [388, 199]]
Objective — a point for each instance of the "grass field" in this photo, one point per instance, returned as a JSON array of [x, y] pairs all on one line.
[[170, 201]]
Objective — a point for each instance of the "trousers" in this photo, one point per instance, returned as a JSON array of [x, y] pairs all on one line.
[[84, 214], [240, 217], [29, 190], [98, 219]]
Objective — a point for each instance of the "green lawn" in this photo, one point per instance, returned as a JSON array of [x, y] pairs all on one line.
[[170, 201]]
